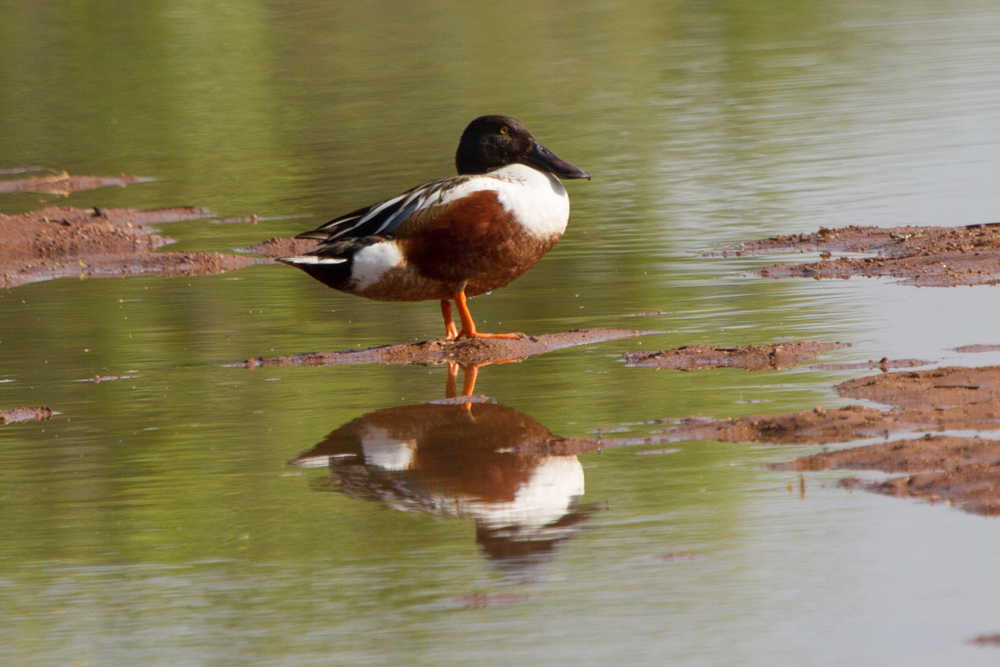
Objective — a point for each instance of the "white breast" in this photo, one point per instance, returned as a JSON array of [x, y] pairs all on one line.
[[538, 200]]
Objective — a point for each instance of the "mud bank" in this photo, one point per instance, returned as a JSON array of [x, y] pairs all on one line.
[[749, 358], [63, 242], [954, 398], [922, 256], [961, 470], [25, 415], [480, 351]]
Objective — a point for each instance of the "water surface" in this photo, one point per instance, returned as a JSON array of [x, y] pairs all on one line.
[[156, 520]]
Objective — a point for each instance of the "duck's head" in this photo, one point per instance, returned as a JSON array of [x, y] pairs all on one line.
[[492, 142]]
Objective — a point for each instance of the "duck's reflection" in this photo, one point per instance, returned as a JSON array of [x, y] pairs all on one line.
[[521, 483]]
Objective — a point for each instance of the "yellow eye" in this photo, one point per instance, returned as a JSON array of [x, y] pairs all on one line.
[[503, 130]]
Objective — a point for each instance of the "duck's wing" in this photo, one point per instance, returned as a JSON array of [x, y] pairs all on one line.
[[383, 218]]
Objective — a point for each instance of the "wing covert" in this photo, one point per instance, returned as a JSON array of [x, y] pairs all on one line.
[[383, 218]]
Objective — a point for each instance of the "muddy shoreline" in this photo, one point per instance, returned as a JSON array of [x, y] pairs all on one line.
[[961, 470], [921, 256], [64, 242]]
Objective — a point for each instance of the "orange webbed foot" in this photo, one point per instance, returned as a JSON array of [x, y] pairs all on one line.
[[468, 326], [477, 334]]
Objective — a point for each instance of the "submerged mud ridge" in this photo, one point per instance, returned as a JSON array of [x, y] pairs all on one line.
[[282, 247], [882, 364], [40, 414], [63, 183], [479, 351], [749, 357], [63, 242], [922, 256], [961, 470]]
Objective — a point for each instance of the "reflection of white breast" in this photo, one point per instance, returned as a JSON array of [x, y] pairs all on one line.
[[384, 452], [548, 495]]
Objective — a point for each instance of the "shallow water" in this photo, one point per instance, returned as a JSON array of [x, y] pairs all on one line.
[[156, 519]]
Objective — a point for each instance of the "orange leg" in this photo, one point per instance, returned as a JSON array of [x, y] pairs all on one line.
[[450, 330], [468, 326]]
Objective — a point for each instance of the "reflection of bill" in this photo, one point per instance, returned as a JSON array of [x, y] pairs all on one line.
[[520, 483]]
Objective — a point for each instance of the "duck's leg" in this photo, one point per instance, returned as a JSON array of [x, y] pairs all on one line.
[[468, 326], [450, 330]]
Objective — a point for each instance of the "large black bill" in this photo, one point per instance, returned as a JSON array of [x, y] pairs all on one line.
[[542, 158]]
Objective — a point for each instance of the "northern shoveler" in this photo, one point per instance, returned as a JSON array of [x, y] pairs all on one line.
[[456, 237]]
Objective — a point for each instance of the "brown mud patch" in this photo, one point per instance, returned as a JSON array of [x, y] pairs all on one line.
[[954, 398], [749, 357], [974, 487], [479, 351], [921, 256], [63, 183], [927, 454], [63, 242], [796, 428], [960, 470], [39, 414]]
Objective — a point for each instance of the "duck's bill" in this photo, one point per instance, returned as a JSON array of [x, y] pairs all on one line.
[[542, 158]]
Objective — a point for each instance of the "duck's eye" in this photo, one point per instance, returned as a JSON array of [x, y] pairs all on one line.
[[503, 130]]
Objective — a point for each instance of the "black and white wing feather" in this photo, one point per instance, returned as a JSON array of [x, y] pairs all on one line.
[[383, 218]]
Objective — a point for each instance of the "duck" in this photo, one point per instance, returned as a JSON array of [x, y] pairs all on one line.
[[456, 237]]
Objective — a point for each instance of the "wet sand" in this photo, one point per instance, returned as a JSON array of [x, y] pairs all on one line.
[[64, 242], [922, 256], [749, 357]]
